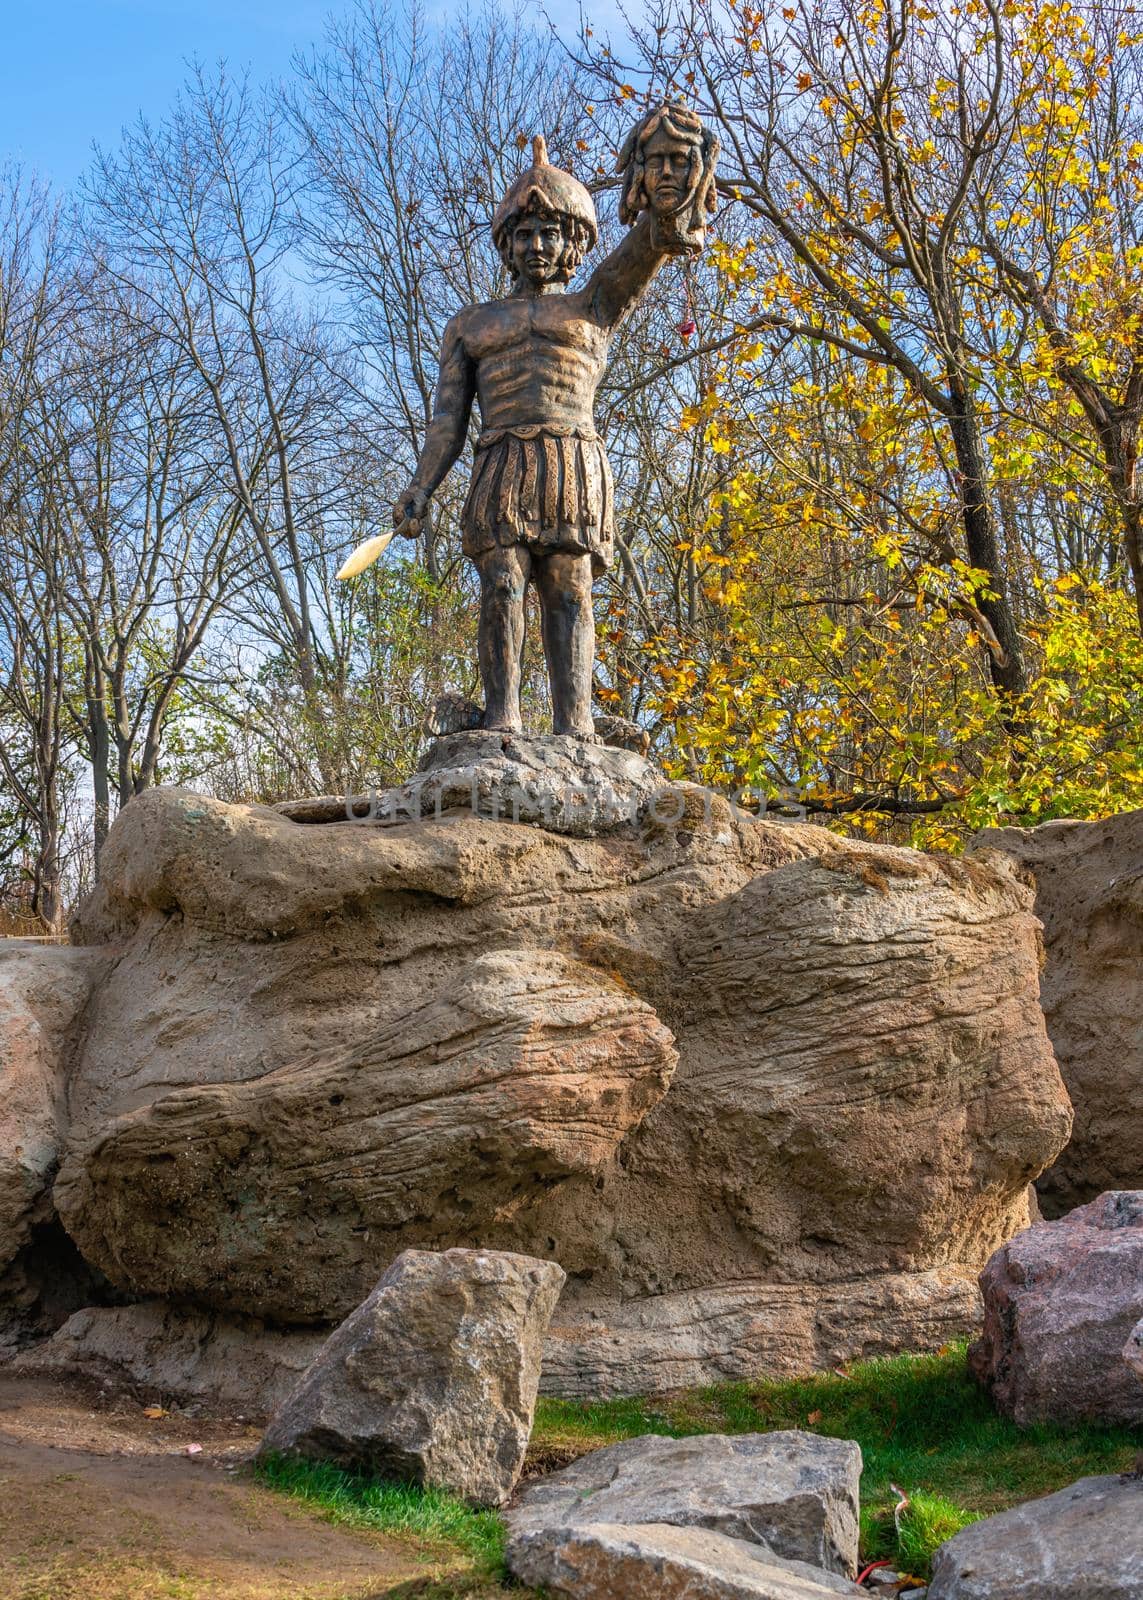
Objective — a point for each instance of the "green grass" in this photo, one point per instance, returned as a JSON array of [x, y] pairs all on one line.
[[440, 1527], [921, 1422], [924, 1524]]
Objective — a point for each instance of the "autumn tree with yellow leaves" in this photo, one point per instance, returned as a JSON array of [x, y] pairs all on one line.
[[922, 567]]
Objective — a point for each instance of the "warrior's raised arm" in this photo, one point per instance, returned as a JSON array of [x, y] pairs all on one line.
[[618, 283]]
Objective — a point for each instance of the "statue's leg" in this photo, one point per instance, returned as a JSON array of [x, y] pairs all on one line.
[[563, 582], [504, 572]]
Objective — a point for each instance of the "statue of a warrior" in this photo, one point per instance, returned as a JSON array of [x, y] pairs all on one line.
[[540, 506]]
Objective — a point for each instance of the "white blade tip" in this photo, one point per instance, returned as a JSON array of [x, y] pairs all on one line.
[[365, 555]]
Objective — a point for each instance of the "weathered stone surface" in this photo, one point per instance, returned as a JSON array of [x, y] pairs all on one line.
[[1133, 1350], [864, 1085], [565, 784], [433, 1378], [1088, 878], [1059, 1301], [452, 713], [43, 992], [605, 1561], [623, 734], [1084, 1543], [222, 1364], [796, 1494], [528, 1068], [658, 1342], [855, 983]]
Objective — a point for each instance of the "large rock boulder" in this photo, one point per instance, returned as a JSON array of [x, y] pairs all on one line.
[[1059, 1301], [796, 1494], [601, 1561], [527, 1068], [433, 1379], [857, 980], [322, 1043], [1088, 879], [1084, 1543], [43, 993]]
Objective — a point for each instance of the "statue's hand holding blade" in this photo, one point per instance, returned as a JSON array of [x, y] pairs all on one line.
[[408, 518]]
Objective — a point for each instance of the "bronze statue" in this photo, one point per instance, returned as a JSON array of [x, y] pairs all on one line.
[[540, 504]]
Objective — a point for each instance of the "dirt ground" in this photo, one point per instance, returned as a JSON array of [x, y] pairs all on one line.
[[100, 1502]]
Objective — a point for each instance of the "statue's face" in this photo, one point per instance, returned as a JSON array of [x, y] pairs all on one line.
[[667, 163], [537, 249]]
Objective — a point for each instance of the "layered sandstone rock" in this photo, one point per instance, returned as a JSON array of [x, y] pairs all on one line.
[[1088, 878], [526, 1069], [43, 993], [319, 1044], [216, 1363], [732, 1331]]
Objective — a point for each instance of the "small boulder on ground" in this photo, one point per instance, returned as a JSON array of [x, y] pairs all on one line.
[[1059, 1301], [1084, 1543], [605, 1561], [794, 1494], [433, 1379]]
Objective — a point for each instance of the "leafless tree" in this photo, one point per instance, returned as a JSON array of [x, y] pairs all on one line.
[[34, 637], [149, 534], [193, 218]]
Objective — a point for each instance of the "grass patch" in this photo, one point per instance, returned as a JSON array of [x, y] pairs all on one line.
[[921, 1422], [924, 1525], [440, 1526]]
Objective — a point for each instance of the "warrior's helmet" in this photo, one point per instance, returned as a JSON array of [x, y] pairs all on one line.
[[547, 191]]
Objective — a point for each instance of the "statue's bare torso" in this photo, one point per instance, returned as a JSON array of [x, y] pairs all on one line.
[[537, 358]]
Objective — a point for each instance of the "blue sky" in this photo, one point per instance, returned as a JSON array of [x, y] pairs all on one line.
[[72, 73]]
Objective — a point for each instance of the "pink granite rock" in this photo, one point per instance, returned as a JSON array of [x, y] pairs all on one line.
[[1060, 1300]]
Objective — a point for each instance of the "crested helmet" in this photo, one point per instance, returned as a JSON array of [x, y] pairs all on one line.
[[546, 188]]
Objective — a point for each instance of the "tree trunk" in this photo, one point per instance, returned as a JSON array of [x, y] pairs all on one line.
[[47, 888], [99, 753], [1133, 550], [1008, 671], [1119, 436]]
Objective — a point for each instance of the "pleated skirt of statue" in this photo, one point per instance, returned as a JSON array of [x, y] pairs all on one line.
[[541, 486]]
